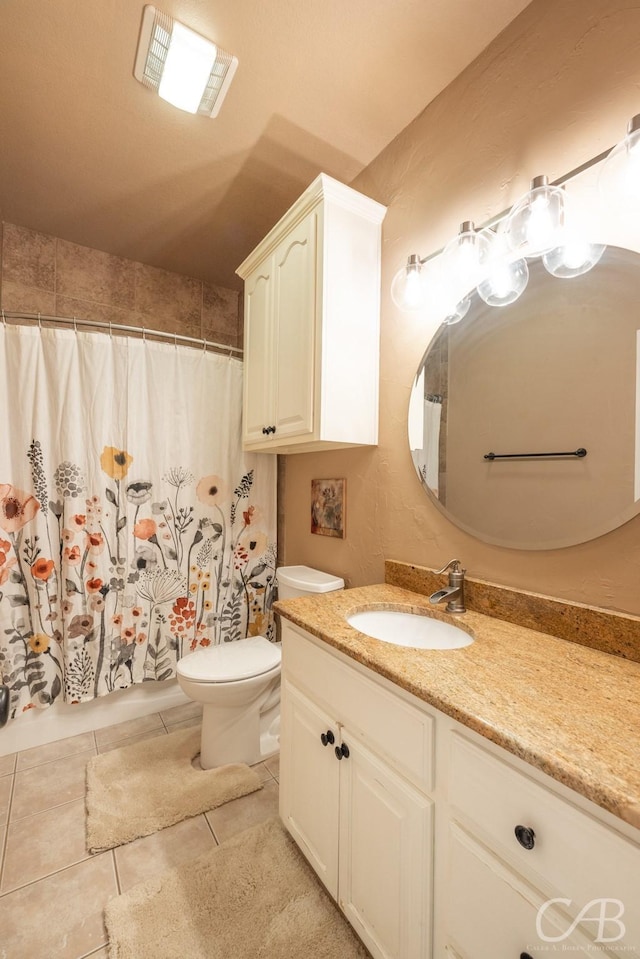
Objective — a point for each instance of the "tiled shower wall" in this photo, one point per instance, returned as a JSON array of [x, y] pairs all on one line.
[[44, 274]]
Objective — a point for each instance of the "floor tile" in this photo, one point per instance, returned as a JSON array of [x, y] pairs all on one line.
[[131, 727], [263, 773], [169, 847], [5, 797], [60, 916], [178, 714], [242, 813], [7, 764], [58, 750], [273, 765], [45, 843], [149, 734], [49, 785]]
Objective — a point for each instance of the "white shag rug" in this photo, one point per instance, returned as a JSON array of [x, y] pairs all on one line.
[[135, 790], [253, 897]]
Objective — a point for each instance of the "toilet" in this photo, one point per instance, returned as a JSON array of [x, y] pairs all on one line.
[[238, 684]]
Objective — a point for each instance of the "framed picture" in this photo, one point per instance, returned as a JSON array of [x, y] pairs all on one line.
[[327, 507]]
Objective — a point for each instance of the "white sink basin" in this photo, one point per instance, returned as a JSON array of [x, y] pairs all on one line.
[[409, 629]]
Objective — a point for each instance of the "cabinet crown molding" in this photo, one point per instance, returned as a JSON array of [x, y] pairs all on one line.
[[323, 187]]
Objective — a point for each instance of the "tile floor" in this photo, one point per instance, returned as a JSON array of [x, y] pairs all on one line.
[[52, 892]]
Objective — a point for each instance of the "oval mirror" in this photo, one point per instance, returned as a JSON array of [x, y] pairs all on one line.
[[553, 373]]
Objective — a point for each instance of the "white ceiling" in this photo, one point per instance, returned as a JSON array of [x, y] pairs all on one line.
[[89, 154]]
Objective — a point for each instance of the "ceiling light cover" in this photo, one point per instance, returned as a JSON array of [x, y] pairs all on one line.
[[182, 66]]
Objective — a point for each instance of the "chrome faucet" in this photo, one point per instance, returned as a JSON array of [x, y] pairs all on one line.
[[454, 592]]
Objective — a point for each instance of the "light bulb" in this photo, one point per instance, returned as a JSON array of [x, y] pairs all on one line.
[[533, 224], [463, 257], [619, 177], [505, 277], [575, 256], [408, 287]]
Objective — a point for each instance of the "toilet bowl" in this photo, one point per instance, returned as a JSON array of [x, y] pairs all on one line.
[[238, 684]]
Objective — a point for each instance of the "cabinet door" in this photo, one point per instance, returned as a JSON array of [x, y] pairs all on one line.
[[259, 374], [309, 790], [295, 316], [385, 857]]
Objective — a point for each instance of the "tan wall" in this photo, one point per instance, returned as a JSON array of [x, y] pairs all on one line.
[[44, 274], [556, 88]]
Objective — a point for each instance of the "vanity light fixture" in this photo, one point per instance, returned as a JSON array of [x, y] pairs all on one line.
[[183, 67], [541, 224]]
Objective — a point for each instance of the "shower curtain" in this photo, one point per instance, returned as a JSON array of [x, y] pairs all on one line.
[[133, 530]]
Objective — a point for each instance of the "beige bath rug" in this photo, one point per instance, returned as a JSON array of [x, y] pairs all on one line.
[[253, 897], [136, 790]]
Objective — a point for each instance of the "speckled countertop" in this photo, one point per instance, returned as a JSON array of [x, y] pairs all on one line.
[[571, 711]]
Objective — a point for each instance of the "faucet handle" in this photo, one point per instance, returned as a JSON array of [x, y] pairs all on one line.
[[454, 565]]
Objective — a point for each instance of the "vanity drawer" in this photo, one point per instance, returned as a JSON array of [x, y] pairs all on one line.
[[492, 914], [574, 856], [397, 731]]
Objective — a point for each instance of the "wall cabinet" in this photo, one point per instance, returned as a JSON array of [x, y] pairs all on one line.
[[312, 325], [434, 841]]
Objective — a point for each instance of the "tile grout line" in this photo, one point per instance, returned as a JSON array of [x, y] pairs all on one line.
[[5, 839], [49, 875]]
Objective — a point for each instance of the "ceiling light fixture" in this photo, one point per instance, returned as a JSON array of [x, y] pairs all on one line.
[[183, 67]]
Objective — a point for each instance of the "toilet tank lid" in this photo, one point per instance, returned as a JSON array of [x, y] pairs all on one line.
[[308, 579]]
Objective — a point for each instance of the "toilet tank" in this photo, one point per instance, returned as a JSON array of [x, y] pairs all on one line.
[[303, 581]]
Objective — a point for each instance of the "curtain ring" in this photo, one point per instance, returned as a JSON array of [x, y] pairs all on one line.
[[110, 331], [39, 322], [75, 325], [204, 346], [144, 335], [175, 340]]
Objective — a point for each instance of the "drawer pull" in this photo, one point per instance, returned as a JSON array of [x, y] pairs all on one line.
[[527, 839], [327, 738], [342, 750]]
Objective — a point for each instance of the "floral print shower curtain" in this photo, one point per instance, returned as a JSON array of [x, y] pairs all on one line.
[[133, 529]]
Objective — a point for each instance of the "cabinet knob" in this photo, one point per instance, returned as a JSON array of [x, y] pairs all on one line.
[[526, 837], [342, 750], [265, 430], [272, 429], [327, 738]]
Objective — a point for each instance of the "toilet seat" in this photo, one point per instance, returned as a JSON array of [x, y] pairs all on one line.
[[231, 662]]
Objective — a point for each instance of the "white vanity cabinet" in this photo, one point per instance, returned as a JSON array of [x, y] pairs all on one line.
[[353, 806], [436, 843], [312, 325]]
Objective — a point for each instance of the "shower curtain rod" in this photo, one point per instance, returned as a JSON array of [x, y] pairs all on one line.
[[142, 331]]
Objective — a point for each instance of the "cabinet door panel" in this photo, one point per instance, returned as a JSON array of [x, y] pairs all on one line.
[[295, 308], [259, 375], [309, 790], [385, 858]]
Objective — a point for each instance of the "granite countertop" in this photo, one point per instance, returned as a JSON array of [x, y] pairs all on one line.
[[571, 711]]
